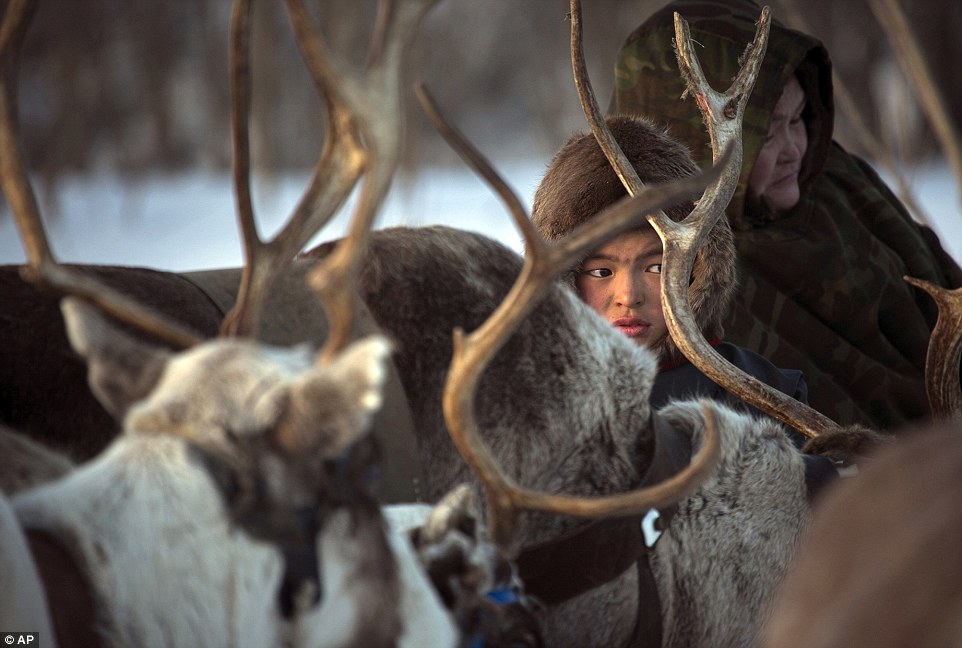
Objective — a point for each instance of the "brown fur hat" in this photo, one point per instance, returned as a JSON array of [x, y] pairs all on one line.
[[579, 183]]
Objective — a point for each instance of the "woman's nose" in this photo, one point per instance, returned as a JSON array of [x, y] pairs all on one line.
[[795, 143], [794, 150]]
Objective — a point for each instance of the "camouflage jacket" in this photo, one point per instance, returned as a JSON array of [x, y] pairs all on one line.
[[820, 287]]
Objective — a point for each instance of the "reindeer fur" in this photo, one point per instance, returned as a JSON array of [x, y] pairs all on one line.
[[564, 406], [23, 607], [728, 546], [880, 565], [27, 463], [156, 533], [45, 396]]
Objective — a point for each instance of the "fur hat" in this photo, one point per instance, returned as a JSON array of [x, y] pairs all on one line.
[[580, 183]]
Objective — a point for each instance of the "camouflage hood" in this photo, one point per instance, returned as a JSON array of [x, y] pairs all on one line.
[[820, 285], [648, 82], [579, 183]]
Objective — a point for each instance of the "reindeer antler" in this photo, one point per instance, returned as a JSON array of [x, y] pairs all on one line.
[[339, 166], [365, 116], [472, 352], [945, 352], [364, 113], [379, 113], [723, 113], [42, 267]]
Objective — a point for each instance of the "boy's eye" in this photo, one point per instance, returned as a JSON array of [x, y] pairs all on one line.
[[654, 268], [601, 273]]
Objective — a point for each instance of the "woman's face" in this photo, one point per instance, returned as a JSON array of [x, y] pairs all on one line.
[[775, 175]]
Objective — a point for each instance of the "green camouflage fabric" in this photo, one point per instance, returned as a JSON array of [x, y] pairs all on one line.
[[820, 287]]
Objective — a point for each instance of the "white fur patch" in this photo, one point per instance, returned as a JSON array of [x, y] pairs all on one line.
[[23, 606]]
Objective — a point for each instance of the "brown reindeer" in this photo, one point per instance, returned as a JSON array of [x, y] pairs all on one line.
[[600, 585], [880, 565]]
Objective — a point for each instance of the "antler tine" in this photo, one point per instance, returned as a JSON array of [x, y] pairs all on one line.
[[476, 161], [43, 268], [589, 104], [240, 99], [339, 165], [472, 353], [723, 113], [363, 135], [945, 352], [378, 108]]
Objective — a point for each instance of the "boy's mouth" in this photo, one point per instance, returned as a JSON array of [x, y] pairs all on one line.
[[631, 326]]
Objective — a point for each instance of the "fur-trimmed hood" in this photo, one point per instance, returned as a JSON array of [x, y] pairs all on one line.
[[579, 183]]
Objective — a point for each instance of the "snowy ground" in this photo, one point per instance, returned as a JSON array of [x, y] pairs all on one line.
[[187, 222]]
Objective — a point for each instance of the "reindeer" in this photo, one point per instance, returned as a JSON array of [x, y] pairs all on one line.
[[708, 579], [249, 461], [720, 558], [37, 358], [233, 509], [704, 573], [880, 564]]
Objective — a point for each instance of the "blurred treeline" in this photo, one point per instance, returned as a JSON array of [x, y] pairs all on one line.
[[137, 86]]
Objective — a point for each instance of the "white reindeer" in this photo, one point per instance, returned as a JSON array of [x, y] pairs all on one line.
[[233, 509], [192, 526]]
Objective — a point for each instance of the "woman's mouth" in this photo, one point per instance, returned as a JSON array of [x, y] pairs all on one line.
[[789, 178]]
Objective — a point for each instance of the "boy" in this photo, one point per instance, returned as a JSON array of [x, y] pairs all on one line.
[[621, 280]]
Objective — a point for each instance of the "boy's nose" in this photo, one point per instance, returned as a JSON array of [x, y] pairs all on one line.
[[628, 294]]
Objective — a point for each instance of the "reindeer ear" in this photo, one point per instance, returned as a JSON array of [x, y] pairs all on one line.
[[331, 406], [121, 370]]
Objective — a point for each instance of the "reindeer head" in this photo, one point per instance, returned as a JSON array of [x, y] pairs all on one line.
[[248, 405]]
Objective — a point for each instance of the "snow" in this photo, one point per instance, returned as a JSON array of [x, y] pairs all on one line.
[[187, 222]]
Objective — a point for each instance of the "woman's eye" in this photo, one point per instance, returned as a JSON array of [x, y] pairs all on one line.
[[601, 273], [654, 268]]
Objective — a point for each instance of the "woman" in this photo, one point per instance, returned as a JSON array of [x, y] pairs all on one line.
[[822, 242]]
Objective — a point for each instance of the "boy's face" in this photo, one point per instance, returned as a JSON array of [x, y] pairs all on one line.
[[621, 281]]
